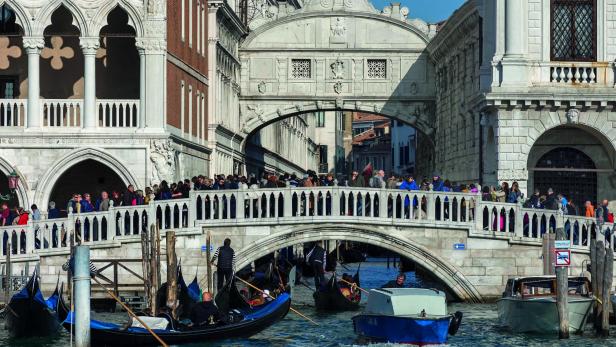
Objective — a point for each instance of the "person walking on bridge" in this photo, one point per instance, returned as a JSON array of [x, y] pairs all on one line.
[[226, 263]]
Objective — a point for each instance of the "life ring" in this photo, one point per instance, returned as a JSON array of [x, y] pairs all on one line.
[[454, 324]]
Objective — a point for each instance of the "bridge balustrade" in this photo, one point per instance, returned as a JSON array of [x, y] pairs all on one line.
[[336, 202], [247, 207]]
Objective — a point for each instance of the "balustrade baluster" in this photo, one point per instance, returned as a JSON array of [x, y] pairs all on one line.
[[555, 74], [240, 204], [584, 75], [383, 202], [569, 75], [592, 76], [335, 201], [576, 75], [394, 206], [518, 227]]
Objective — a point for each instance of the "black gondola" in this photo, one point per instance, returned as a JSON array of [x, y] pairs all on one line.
[[249, 322], [331, 298], [28, 314]]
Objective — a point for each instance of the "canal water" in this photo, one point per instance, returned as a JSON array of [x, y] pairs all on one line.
[[479, 325]]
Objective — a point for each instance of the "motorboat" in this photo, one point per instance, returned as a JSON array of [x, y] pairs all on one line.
[[407, 315], [528, 304]]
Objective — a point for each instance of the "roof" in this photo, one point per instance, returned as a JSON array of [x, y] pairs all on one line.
[[366, 135], [368, 117]]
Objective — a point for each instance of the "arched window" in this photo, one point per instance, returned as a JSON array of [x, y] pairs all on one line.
[[568, 171]]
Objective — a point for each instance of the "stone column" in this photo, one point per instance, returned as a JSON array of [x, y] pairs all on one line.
[[33, 47], [153, 91], [515, 28], [142, 94], [89, 46], [514, 65]]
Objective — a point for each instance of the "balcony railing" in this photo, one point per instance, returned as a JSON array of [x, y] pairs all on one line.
[[118, 113], [62, 112], [576, 74], [12, 112], [70, 113]]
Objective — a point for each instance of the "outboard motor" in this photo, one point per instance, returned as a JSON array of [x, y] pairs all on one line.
[[454, 325]]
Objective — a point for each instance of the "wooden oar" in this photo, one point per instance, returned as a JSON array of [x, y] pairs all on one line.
[[354, 284], [131, 313], [290, 308]]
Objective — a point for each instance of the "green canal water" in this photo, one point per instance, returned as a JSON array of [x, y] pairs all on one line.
[[479, 325]]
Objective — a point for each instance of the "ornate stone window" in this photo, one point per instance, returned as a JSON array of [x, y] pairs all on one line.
[[377, 68], [301, 68], [573, 30]]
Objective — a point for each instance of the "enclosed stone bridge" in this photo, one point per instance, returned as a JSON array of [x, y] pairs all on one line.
[[470, 245]]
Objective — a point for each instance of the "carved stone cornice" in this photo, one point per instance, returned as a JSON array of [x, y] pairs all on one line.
[[151, 45]]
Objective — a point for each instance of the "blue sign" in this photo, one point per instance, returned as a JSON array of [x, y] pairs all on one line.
[[204, 248], [459, 246]]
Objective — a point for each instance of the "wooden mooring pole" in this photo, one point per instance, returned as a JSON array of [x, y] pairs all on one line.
[[7, 274], [208, 260], [145, 265], [593, 278], [599, 271], [81, 278], [605, 291], [172, 273], [154, 266], [562, 288]]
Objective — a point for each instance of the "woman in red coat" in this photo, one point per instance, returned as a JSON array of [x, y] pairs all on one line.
[[22, 218]]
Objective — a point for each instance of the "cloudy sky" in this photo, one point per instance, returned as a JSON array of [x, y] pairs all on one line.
[[431, 11]]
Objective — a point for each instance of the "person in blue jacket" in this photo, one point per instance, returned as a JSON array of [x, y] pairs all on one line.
[[437, 183], [409, 184]]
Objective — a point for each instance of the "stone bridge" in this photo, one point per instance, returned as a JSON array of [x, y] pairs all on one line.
[[500, 240]]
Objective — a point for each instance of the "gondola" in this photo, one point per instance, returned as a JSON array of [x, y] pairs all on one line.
[[331, 298], [28, 314], [244, 323]]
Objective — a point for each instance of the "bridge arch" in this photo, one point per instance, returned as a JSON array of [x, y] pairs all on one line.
[[441, 268]]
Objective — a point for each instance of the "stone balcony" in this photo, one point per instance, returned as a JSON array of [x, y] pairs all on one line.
[[69, 114], [574, 74]]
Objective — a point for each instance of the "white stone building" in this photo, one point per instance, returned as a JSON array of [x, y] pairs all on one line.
[[83, 97], [524, 95], [284, 146], [329, 136]]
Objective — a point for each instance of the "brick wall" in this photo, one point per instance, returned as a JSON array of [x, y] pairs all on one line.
[[187, 65]]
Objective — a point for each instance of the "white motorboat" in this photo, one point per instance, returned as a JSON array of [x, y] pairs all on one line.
[[529, 304]]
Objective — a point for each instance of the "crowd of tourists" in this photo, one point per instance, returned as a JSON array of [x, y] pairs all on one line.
[[80, 203]]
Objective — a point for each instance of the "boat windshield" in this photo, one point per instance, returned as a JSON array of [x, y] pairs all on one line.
[[530, 287]]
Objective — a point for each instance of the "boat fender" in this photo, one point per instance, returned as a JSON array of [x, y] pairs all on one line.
[[454, 325]]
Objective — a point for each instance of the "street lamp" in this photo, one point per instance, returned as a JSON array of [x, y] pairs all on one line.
[[13, 179]]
